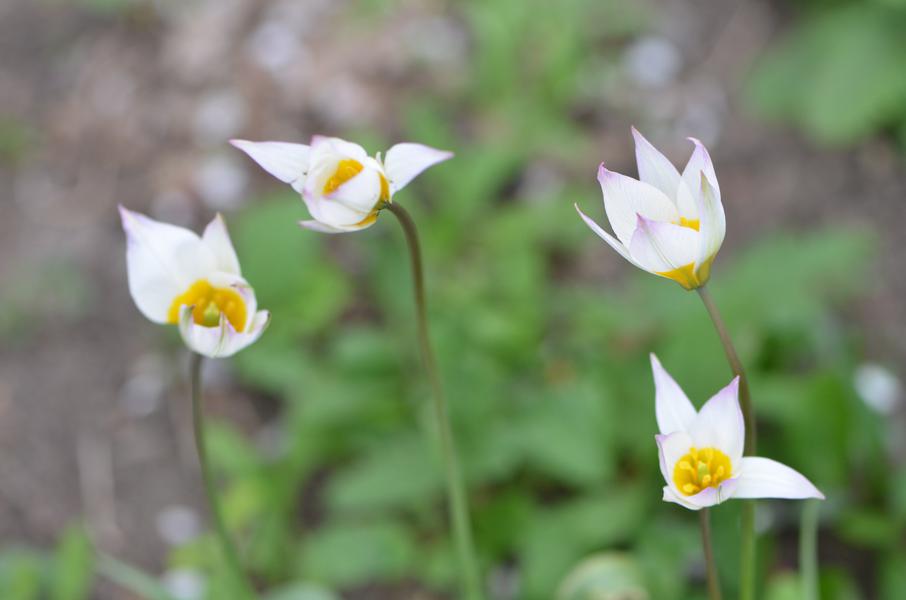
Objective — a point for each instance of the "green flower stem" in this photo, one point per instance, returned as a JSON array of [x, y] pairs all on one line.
[[704, 516], [747, 535], [808, 549], [230, 555], [458, 507]]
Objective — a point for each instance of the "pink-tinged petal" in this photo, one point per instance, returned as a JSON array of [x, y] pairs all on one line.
[[654, 168], [700, 162], [672, 407], [220, 341], [706, 498], [714, 495], [671, 448], [625, 198], [611, 241], [663, 247], [404, 161], [719, 424], [217, 239], [712, 221], [325, 228], [766, 478], [285, 161], [671, 495], [162, 261]]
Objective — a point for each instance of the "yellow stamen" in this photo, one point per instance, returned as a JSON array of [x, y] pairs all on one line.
[[208, 303], [346, 170], [711, 468], [690, 223]]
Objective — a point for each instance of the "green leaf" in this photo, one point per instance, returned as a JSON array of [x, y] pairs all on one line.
[[73, 566], [352, 554]]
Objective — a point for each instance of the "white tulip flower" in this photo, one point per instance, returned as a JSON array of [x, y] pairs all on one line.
[[701, 452], [343, 188], [179, 278], [666, 223]]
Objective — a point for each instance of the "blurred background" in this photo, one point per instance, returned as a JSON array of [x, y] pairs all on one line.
[[320, 432]]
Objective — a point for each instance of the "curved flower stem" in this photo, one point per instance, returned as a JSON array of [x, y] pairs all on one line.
[[458, 507], [704, 517], [808, 550], [747, 542], [230, 556]]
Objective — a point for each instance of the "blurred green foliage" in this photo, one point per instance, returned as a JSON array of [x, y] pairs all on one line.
[[64, 574], [546, 368], [839, 72]]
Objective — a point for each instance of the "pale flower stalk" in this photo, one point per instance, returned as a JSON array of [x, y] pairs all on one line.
[[343, 188], [179, 278], [668, 223], [701, 452]]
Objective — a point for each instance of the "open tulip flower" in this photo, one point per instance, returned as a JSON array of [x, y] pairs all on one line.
[[701, 452], [343, 188], [177, 277], [666, 223]]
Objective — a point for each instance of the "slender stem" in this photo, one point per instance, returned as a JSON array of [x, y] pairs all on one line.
[[745, 398], [458, 507], [704, 516], [230, 556], [808, 550], [747, 535]]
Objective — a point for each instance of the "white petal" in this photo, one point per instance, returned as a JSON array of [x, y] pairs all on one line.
[[220, 341], [360, 193], [163, 261], [671, 495], [700, 162], [673, 409], [662, 247], [705, 498], [671, 448], [613, 242], [333, 146], [654, 168], [626, 198], [686, 202], [217, 239], [404, 161], [719, 424], [766, 478], [285, 161], [712, 221], [325, 228]]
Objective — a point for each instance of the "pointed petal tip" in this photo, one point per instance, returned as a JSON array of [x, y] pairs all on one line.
[[604, 173]]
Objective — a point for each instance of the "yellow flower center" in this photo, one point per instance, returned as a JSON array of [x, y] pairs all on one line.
[[690, 223], [208, 303], [346, 170], [700, 469]]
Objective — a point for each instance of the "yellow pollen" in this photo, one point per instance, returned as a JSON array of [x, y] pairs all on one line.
[[690, 223], [208, 304], [346, 170], [711, 468]]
